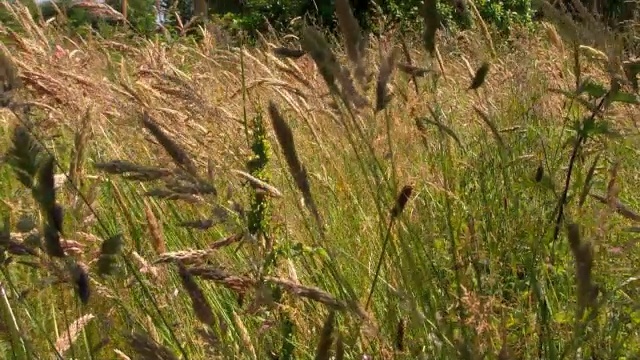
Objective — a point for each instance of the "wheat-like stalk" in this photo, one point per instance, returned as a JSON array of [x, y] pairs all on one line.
[[323, 350], [583, 255], [147, 349], [199, 302], [244, 335], [155, 229], [68, 337], [382, 96], [297, 170], [177, 153]]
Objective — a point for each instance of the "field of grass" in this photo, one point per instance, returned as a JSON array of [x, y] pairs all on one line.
[[212, 202]]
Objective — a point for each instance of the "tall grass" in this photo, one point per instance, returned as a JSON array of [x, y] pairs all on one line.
[[337, 199]]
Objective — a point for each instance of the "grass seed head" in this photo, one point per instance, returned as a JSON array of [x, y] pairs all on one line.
[[317, 46], [350, 31], [285, 139], [583, 255], [288, 52], [339, 347], [9, 80], [199, 302], [431, 20], [412, 70], [81, 280], [323, 350], [68, 337], [138, 172], [176, 152], [401, 200], [480, 76], [382, 96], [155, 230], [147, 349]]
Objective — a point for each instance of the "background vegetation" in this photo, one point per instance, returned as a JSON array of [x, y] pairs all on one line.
[[432, 192], [262, 15]]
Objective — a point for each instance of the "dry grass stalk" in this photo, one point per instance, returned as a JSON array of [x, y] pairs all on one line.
[[491, 125], [199, 302], [583, 254], [237, 283], [243, 283], [123, 207], [186, 257], [226, 241], [147, 349], [386, 69], [172, 195], [244, 335], [139, 172], [323, 350], [613, 187], [121, 355], [349, 90], [144, 266], [563, 21], [102, 290], [259, 184], [411, 70], [288, 52], [553, 35], [408, 67], [155, 230], [316, 45], [197, 256], [309, 292], [178, 155], [100, 10], [9, 79], [297, 170], [212, 343], [618, 206], [483, 27], [354, 42], [68, 337]]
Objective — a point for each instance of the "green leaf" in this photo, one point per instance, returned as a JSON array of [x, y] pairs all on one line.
[[593, 89], [624, 97], [107, 259], [573, 96]]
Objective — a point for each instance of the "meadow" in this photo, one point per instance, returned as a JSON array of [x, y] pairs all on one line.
[[415, 196]]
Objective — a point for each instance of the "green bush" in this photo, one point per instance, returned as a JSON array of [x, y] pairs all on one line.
[[502, 15]]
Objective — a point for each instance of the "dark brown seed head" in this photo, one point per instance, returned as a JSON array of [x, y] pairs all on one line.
[[400, 335], [326, 338], [539, 173], [480, 76], [412, 70], [288, 52], [401, 201]]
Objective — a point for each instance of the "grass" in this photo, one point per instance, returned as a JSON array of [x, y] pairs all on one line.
[[259, 203]]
